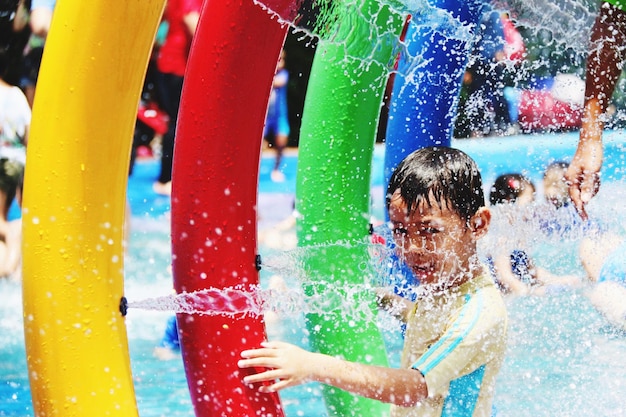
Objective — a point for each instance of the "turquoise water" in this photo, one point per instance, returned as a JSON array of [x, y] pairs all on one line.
[[563, 358]]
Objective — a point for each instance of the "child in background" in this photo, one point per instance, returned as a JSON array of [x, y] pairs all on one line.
[[277, 119], [182, 18], [169, 346], [604, 260], [514, 270], [511, 266], [554, 184], [11, 182], [456, 329], [15, 117], [558, 218]]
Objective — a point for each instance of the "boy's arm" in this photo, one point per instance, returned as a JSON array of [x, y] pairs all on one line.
[[289, 365]]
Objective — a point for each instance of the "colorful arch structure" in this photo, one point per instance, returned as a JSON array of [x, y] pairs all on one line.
[[74, 203], [337, 138], [215, 182], [428, 82]]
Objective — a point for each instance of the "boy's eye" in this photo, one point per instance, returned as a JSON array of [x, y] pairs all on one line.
[[399, 230], [423, 231]]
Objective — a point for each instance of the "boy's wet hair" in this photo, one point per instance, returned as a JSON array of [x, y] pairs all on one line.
[[507, 187], [447, 175]]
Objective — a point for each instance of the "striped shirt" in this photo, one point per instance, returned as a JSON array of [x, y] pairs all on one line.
[[457, 340]]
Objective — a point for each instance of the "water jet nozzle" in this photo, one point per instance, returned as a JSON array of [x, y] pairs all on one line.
[[123, 306]]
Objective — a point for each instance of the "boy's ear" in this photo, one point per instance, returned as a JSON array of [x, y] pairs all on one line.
[[479, 223]]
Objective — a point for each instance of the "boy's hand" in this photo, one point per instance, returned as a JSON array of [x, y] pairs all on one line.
[[288, 365]]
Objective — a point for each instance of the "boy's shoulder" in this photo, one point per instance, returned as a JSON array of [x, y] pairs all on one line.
[[474, 313], [485, 304], [477, 300], [479, 292], [483, 289]]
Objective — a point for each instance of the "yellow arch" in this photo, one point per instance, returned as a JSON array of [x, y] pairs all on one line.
[[75, 186]]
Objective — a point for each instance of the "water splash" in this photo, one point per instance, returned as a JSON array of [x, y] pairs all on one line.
[[555, 37], [240, 302], [323, 296], [561, 25], [535, 225]]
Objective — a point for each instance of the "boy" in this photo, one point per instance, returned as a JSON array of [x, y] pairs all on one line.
[[456, 329], [604, 260]]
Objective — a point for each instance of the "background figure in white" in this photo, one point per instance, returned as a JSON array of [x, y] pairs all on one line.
[[15, 115]]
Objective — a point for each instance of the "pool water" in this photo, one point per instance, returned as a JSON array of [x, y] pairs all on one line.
[[563, 358]]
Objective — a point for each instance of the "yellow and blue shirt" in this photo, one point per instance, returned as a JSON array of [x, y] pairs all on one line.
[[457, 340]]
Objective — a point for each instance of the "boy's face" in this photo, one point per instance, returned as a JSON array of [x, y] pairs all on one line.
[[436, 243]]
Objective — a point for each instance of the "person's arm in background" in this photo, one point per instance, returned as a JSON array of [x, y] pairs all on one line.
[[21, 17], [191, 21], [604, 66], [41, 17], [13, 255], [506, 277]]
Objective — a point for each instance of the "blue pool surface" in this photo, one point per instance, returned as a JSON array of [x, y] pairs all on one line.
[[563, 357]]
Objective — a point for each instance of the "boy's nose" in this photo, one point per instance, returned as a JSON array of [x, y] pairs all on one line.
[[415, 248], [417, 243]]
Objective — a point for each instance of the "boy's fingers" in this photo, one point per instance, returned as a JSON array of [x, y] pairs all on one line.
[[275, 344], [254, 362], [266, 349], [275, 387], [269, 375], [257, 353]]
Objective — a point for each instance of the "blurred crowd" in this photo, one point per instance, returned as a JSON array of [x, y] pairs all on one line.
[[501, 96], [20, 52]]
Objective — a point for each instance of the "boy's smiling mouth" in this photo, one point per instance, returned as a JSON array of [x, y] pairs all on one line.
[[422, 269]]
